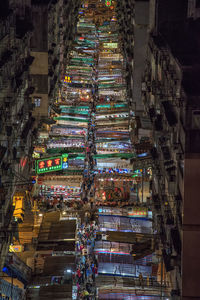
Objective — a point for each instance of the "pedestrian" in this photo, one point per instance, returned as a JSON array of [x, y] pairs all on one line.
[[95, 270], [147, 280], [78, 286], [141, 283], [86, 295]]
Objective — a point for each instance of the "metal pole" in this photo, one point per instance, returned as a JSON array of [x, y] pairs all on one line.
[[11, 294], [161, 284], [142, 185]]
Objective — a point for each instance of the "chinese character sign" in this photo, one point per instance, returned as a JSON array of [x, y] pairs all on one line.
[[67, 79], [140, 212], [52, 164]]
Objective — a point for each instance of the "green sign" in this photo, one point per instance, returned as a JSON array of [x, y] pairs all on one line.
[[52, 164]]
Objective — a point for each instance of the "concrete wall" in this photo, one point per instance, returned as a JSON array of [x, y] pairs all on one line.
[[42, 110], [40, 63], [39, 75], [39, 39], [140, 49], [152, 14], [191, 229]]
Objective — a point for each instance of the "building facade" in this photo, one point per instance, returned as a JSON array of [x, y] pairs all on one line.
[[170, 94], [16, 111], [50, 46]]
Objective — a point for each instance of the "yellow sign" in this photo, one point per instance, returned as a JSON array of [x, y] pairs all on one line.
[[36, 155], [65, 159], [18, 203], [110, 45], [18, 197], [40, 149], [67, 79], [16, 248]]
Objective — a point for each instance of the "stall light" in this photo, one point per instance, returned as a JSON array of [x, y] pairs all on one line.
[[40, 215], [69, 271]]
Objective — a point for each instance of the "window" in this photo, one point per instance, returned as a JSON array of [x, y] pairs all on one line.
[[37, 101]]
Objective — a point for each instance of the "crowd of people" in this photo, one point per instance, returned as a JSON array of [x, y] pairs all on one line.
[[87, 265]]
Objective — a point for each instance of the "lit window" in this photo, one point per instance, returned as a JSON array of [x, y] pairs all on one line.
[[37, 102]]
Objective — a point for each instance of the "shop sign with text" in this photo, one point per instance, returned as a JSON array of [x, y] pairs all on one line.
[[52, 164]]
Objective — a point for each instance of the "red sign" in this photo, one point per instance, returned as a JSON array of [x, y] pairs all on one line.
[[49, 163]]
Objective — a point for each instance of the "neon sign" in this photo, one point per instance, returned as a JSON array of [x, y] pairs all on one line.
[[16, 248], [108, 2], [67, 79], [52, 164]]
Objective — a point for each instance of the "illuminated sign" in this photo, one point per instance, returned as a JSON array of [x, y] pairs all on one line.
[[18, 197], [43, 135], [52, 164], [18, 203], [138, 212], [36, 155], [110, 45], [108, 2], [40, 149], [67, 79], [16, 248], [113, 170]]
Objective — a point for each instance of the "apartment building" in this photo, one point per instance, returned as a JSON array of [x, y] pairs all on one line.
[[133, 19], [16, 111], [170, 93], [53, 31]]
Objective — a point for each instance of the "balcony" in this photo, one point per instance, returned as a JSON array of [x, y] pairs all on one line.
[[27, 127], [15, 267], [166, 153], [11, 290], [172, 184], [2, 152], [152, 113], [176, 239], [154, 153], [6, 56], [9, 130], [167, 261], [158, 123], [55, 62], [169, 113]]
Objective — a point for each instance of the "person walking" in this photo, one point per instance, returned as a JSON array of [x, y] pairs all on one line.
[[147, 280], [141, 283]]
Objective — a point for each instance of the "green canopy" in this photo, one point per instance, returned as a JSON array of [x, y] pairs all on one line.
[[112, 155], [72, 119]]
